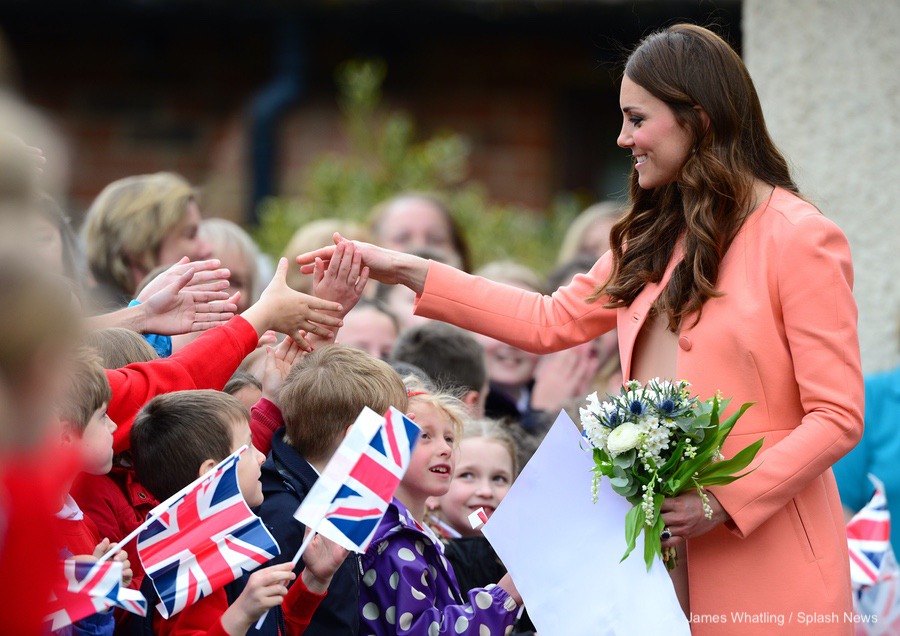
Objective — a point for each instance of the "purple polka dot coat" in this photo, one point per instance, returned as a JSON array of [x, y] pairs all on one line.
[[408, 587]]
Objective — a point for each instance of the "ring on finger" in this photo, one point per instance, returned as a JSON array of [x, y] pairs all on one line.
[[666, 534]]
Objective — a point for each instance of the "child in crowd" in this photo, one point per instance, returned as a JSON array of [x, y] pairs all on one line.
[[115, 501], [371, 327], [449, 356], [321, 398], [118, 347], [246, 387], [510, 369], [86, 427], [485, 470], [206, 363], [209, 362], [408, 586], [177, 438]]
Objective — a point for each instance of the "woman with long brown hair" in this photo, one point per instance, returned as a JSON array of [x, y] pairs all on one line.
[[720, 274]]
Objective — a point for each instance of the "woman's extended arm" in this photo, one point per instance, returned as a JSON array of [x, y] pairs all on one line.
[[528, 320]]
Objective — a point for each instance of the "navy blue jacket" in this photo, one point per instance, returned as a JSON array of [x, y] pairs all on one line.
[[286, 479]]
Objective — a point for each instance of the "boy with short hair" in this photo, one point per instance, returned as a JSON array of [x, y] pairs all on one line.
[[180, 436], [321, 398], [86, 427], [451, 357]]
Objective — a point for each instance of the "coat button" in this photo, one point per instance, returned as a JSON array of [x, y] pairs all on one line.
[[685, 343]]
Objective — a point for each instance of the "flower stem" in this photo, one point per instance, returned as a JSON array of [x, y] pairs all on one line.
[[670, 557]]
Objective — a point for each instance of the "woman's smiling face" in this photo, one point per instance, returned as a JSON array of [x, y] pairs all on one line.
[[659, 143]]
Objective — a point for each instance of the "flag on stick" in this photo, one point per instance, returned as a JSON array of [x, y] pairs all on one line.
[[349, 499], [89, 588], [869, 539], [478, 519], [203, 538]]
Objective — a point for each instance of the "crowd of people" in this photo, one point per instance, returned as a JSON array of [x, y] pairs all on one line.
[[146, 346], [181, 341]]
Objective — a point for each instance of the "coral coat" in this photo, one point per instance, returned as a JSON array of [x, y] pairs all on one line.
[[783, 335]]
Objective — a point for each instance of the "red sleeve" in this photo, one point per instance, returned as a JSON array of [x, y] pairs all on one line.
[[203, 618], [265, 419], [299, 606], [206, 363], [99, 497]]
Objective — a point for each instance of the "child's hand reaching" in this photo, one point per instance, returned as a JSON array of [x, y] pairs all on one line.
[[342, 280], [290, 312], [265, 589], [278, 363], [322, 558]]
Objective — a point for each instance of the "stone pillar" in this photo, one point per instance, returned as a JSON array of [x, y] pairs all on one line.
[[828, 75]]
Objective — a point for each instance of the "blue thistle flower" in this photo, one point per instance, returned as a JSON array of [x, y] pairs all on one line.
[[636, 407], [667, 406]]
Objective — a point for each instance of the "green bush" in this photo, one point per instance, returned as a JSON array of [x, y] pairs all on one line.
[[385, 158]]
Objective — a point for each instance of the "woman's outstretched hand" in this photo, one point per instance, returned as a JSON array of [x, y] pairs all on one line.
[[385, 266]]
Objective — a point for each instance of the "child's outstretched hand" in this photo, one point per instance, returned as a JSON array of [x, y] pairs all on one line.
[[278, 363], [290, 312], [322, 558], [265, 589], [344, 278]]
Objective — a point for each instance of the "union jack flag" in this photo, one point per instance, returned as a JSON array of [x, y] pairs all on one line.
[[869, 540], [90, 588], [349, 499], [203, 538]]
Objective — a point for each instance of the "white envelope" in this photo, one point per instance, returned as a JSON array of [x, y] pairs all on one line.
[[563, 551]]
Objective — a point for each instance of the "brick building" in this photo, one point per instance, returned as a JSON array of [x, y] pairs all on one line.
[[165, 84]]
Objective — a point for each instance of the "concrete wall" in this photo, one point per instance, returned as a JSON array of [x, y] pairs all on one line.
[[828, 75]]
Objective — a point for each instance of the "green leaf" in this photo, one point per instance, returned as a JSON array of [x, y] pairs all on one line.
[[625, 460], [699, 422], [721, 480], [677, 455], [619, 482], [634, 523], [652, 545], [736, 464], [728, 424]]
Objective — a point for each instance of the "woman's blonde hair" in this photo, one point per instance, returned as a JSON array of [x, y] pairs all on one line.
[[442, 401], [313, 236], [495, 431], [128, 221], [573, 242], [224, 235]]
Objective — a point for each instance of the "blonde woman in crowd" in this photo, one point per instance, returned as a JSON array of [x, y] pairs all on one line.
[[135, 225]]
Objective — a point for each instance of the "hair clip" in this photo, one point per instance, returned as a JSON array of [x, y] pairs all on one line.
[[410, 393]]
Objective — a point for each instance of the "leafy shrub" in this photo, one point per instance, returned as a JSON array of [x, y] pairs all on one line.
[[385, 158]]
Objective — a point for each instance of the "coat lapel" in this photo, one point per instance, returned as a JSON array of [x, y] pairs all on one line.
[[631, 319]]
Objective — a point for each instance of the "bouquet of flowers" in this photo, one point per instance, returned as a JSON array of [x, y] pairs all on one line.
[[656, 441]]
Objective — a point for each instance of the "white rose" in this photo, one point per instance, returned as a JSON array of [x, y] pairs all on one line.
[[623, 438]]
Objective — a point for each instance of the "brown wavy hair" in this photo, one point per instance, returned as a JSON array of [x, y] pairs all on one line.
[[687, 66]]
